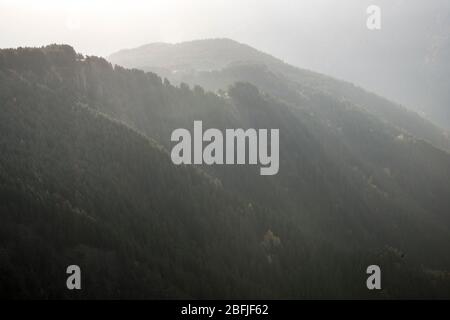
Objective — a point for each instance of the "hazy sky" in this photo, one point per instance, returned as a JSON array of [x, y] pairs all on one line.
[[103, 26]]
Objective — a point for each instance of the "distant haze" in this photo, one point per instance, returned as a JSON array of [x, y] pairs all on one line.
[[407, 61]]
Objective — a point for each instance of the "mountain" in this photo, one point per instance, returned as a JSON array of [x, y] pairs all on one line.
[[79, 187], [217, 63], [86, 179], [211, 54]]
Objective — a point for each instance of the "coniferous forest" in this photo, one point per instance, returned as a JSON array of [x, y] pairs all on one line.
[[86, 178]]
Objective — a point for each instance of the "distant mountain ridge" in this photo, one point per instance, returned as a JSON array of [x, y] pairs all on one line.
[[217, 63], [211, 54]]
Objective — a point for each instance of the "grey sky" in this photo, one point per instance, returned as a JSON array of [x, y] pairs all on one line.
[[103, 26]]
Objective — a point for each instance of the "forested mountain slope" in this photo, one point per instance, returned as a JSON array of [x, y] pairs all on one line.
[[217, 63], [86, 179], [77, 187]]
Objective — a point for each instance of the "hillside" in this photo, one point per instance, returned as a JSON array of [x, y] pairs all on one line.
[[79, 187], [217, 63], [86, 177]]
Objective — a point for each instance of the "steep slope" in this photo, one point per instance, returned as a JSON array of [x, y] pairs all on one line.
[[80, 187], [201, 62]]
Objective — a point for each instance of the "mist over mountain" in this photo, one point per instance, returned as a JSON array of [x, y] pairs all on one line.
[[406, 61], [217, 63], [86, 176]]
